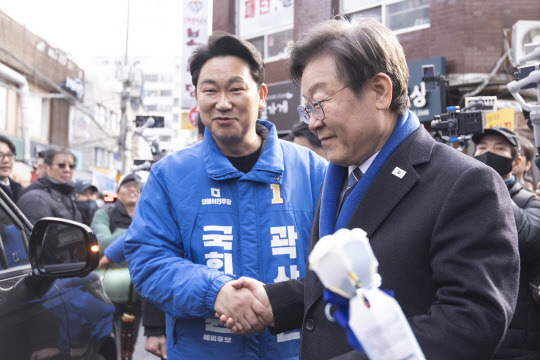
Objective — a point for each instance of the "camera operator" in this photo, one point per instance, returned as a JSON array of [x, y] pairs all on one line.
[[499, 148]]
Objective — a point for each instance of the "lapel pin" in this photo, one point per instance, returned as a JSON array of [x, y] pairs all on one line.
[[400, 173]]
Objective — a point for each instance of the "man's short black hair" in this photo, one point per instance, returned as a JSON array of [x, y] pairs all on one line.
[[221, 44], [301, 129], [9, 143]]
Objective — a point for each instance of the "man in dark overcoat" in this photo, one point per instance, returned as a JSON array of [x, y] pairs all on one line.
[[440, 223]]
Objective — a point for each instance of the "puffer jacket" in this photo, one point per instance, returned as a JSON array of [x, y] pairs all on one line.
[[522, 339], [49, 197], [108, 226], [200, 223]]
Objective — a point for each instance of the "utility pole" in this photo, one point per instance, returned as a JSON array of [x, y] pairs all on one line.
[[124, 98]]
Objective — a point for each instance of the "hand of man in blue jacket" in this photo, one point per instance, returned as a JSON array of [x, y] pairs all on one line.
[[261, 306], [240, 306]]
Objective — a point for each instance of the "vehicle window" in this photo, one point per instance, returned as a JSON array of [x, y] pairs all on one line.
[[12, 247]]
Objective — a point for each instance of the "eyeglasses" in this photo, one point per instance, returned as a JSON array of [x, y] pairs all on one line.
[[63, 165], [315, 107], [10, 156]]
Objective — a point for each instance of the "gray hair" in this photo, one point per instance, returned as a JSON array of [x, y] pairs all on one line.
[[361, 48]]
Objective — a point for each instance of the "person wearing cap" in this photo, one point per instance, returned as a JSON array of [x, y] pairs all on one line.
[[7, 158], [108, 225], [86, 200], [499, 148], [54, 193]]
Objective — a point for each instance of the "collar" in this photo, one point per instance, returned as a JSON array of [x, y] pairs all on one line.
[[6, 182], [510, 180], [407, 123], [268, 169], [365, 165]]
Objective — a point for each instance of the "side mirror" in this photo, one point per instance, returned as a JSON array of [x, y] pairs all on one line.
[[62, 248]]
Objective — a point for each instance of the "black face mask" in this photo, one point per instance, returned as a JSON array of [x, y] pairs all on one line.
[[87, 206], [501, 164]]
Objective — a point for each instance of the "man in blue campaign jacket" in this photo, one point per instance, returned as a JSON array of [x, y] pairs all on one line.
[[239, 203]]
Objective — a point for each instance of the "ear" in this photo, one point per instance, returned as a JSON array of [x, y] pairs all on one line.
[[263, 91], [516, 163], [382, 86]]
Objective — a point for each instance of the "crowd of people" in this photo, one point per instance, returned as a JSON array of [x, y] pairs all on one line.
[[220, 251]]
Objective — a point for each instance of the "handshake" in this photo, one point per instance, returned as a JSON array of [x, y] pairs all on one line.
[[243, 306]]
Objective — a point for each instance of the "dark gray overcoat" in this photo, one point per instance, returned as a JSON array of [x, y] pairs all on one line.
[[446, 242]]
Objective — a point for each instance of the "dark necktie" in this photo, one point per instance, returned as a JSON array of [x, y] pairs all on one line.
[[354, 178]]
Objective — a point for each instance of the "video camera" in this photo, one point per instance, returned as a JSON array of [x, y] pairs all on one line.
[[456, 123]]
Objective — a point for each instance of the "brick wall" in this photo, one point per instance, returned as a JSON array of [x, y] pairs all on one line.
[[468, 33]]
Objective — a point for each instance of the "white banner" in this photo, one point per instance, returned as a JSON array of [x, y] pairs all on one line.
[[257, 17], [195, 32]]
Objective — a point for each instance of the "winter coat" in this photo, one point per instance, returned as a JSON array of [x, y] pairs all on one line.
[[522, 339], [200, 222], [49, 197], [15, 190], [109, 225]]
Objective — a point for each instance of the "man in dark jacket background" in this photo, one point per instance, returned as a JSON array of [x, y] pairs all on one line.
[[54, 193], [7, 159], [499, 148]]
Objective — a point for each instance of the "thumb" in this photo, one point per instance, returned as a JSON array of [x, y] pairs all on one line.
[[238, 283]]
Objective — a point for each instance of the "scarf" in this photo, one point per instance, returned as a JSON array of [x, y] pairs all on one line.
[[405, 126]]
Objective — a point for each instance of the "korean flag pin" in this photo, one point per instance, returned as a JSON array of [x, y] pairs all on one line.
[[400, 173]]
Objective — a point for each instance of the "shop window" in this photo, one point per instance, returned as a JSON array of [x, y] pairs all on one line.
[[268, 25], [273, 46], [399, 16]]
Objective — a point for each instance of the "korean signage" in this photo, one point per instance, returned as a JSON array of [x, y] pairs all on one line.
[[504, 118], [195, 33], [281, 103], [257, 17], [425, 104]]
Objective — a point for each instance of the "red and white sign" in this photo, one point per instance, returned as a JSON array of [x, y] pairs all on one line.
[[257, 17], [195, 33]]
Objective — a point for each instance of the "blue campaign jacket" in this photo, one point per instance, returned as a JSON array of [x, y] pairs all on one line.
[[200, 222]]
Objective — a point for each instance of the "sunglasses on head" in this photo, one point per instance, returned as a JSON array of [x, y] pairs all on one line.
[[63, 165]]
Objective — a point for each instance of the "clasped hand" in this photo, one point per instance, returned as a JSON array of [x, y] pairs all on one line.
[[242, 305]]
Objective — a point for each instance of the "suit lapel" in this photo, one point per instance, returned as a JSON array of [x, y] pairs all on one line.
[[311, 281], [390, 185], [383, 195]]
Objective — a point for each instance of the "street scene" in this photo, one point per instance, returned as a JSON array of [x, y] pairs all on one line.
[[269, 179]]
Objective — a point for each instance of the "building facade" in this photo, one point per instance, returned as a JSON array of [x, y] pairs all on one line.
[[38, 85], [467, 41]]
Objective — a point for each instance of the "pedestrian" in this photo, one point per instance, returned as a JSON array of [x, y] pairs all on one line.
[[526, 150], [7, 159], [301, 135], [109, 225], [499, 148], [239, 202], [86, 200], [54, 193], [153, 319], [38, 166], [439, 222]]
